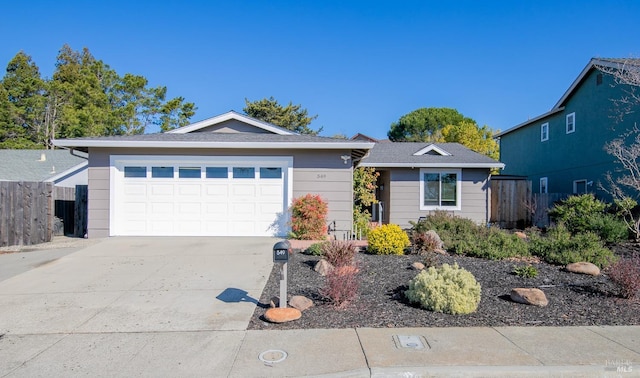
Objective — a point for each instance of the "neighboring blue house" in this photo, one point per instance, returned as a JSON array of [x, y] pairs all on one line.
[[562, 151]]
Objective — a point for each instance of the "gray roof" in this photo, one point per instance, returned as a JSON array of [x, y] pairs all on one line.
[[29, 165], [218, 137], [401, 154]]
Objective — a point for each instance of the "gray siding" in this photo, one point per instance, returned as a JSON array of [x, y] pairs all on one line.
[[316, 172], [404, 196]]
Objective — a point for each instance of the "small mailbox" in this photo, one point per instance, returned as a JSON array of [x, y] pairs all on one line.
[[281, 251]]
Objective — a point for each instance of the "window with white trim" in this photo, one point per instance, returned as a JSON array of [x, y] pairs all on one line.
[[440, 189], [571, 122], [544, 185], [580, 187], [544, 132]]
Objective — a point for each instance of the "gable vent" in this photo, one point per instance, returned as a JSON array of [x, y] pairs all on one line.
[[432, 149]]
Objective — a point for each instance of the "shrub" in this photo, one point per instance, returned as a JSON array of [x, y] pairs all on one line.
[[584, 213], [309, 218], [339, 253], [388, 239], [525, 271], [496, 244], [341, 285], [560, 247], [315, 249], [626, 274], [448, 289]]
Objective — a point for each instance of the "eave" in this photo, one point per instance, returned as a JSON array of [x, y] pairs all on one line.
[[433, 165]]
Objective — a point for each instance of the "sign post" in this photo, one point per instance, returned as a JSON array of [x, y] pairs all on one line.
[[281, 252]]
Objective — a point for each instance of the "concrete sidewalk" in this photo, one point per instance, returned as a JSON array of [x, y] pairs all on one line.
[[460, 352], [365, 352]]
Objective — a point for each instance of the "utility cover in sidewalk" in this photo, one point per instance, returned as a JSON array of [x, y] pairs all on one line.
[[411, 342], [272, 356]]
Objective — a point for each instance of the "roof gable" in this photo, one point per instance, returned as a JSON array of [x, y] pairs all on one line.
[[432, 149], [405, 155], [232, 122]]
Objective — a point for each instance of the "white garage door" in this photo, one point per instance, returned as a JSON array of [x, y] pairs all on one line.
[[211, 196]]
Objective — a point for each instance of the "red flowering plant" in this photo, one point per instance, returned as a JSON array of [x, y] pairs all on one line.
[[309, 218]]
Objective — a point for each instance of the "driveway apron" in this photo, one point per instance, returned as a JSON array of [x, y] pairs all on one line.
[[125, 295]]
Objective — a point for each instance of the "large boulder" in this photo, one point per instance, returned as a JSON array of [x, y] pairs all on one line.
[[323, 267], [583, 268], [530, 296], [282, 315], [300, 302]]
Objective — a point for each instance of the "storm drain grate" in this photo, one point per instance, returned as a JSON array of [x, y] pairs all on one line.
[[272, 356], [410, 342]]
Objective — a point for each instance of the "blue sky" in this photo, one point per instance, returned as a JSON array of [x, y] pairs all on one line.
[[359, 65]]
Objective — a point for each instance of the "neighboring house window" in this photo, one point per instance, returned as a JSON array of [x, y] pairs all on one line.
[[580, 187], [544, 132], [571, 123], [440, 189], [544, 185]]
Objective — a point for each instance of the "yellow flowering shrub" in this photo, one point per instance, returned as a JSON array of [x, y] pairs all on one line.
[[448, 289], [388, 239]]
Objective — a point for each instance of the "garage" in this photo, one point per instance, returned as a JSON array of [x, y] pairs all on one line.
[[200, 195]]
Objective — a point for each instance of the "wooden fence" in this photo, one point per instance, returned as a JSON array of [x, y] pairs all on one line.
[[514, 206], [28, 211]]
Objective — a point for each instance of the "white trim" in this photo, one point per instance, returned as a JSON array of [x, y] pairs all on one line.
[[544, 180], [117, 163], [222, 145], [575, 186], [432, 147], [229, 116], [542, 135], [433, 165], [458, 173], [74, 169], [528, 122], [573, 116]]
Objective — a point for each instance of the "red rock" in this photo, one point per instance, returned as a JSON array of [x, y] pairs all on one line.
[[529, 296], [282, 315]]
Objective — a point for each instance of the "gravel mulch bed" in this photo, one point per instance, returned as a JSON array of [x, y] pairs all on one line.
[[574, 299]]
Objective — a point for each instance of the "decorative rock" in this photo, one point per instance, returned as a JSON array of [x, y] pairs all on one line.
[[529, 296], [300, 302], [435, 237], [417, 266], [282, 315], [521, 235], [583, 268], [323, 267], [440, 251]]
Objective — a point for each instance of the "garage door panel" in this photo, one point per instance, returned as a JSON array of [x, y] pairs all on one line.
[[189, 189], [135, 189], [209, 205], [161, 189], [217, 190]]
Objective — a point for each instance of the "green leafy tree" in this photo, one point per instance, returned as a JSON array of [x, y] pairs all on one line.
[[424, 125], [364, 195], [469, 134], [438, 125], [291, 117], [22, 104]]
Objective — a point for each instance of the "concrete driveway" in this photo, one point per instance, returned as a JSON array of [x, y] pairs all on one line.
[[91, 311]]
